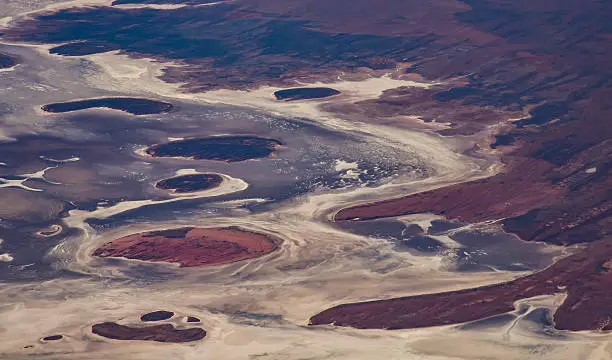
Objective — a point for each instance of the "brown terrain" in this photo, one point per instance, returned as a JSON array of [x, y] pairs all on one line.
[[159, 333], [586, 277], [546, 63], [191, 246], [556, 186]]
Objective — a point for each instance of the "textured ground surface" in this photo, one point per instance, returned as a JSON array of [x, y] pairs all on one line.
[[438, 168]]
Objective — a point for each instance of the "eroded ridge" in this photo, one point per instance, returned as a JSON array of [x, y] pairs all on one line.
[[191, 246]]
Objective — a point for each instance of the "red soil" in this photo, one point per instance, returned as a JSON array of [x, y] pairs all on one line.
[[586, 277], [159, 333], [191, 246]]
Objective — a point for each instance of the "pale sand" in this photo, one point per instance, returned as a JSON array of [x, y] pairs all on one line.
[[317, 266]]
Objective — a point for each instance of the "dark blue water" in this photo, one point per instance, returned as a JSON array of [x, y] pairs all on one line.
[[134, 106], [305, 93]]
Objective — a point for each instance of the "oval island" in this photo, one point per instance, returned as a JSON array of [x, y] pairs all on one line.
[[190, 246], [221, 148], [53, 338], [133, 106], [50, 231], [305, 93], [157, 316], [159, 333], [190, 183]]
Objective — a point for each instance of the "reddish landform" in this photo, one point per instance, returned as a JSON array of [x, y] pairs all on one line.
[[556, 189], [160, 333], [586, 277], [498, 60], [191, 246], [556, 183], [493, 198]]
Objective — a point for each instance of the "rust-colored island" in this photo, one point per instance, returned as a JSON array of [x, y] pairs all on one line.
[[159, 333], [191, 246]]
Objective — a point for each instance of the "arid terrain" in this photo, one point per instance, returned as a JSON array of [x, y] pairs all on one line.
[[198, 179]]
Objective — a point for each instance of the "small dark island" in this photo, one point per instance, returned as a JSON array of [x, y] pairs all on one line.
[[134, 106], [190, 183], [81, 48], [157, 316], [7, 61], [305, 93], [221, 148], [53, 338], [159, 333]]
